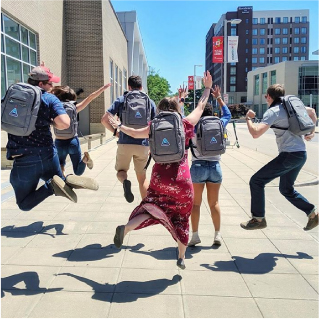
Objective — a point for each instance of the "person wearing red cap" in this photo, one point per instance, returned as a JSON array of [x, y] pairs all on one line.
[[35, 156]]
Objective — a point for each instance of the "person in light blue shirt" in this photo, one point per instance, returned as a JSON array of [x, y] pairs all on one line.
[[206, 170], [287, 165]]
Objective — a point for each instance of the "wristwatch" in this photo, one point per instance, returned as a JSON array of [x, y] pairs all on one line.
[[182, 100], [119, 127]]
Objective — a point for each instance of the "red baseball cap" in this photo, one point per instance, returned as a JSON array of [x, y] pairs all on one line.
[[42, 73]]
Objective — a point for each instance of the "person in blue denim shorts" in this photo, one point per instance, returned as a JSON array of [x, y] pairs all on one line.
[[207, 171]]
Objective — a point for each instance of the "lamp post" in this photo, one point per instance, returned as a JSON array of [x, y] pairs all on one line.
[[199, 65], [233, 21]]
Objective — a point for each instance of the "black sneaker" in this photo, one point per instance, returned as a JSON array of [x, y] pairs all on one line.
[[312, 223], [127, 191], [119, 236], [180, 263], [254, 224], [59, 188]]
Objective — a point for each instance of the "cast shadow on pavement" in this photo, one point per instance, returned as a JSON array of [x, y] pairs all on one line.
[[35, 228], [31, 281], [261, 264], [90, 253], [127, 291]]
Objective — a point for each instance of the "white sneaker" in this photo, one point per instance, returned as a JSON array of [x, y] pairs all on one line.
[[194, 241], [217, 239]]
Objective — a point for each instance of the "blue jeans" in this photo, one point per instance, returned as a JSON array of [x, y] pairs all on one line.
[[25, 175], [286, 166], [71, 147]]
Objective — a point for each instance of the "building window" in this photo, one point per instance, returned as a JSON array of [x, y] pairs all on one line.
[[297, 19], [285, 19], [232, 88], [120, 82], [296, 49], [277, 50], [277, 31], [284, 40], [255, 41], [231, 100], [232, 80], [304, 19], [254, 51], [124, 79], [284, 58], [297, 30], [262, 50], [246, 60], [255, 31], [296, 40], [262, 41], [303, 30], [247, 41], [277, 40], [277, 20], [303, 58], [233, 31], [262, 20], [285, 31], [276, 59], [264, 83], [18, 52], [303, 40], [262, 31], [253, 68], [303, 49], [247, 31], [272, 77], [116, 81], [246, 70], [254, 60], [111, 81], [284, 50], [256, 91], [262, 60], [255, 21], [296, 58], [233, 70]]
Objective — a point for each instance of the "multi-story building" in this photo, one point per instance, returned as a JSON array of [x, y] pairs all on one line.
[[265, 38], [83, 42], [299, 78]]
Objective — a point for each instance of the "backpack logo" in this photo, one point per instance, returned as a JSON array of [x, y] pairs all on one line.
[[138, 115], [305, 114], [14, 113], [213, 140], [165, 142]]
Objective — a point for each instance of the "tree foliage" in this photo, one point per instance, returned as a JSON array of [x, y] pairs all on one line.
[[158, 87]]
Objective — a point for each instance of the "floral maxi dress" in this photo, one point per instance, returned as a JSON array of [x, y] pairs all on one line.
[[170, 195]]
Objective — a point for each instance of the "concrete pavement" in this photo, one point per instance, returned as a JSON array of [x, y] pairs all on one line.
[[59, 261]]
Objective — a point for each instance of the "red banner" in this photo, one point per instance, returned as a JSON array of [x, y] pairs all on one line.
[[191, 82], [218, 49]]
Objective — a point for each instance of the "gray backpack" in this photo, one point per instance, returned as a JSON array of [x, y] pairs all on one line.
[[19, 109], [210, 136], [300, 122], [72, 130], [136, 111], [167, 138]]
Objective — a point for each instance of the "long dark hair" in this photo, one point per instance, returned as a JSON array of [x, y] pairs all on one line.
[[64, 93]]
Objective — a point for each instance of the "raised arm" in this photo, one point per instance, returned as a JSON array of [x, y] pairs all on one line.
[[135, 133], [226, 115], [83, 104], [194, 117]]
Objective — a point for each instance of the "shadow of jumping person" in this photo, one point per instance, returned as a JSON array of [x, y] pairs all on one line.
[[11, 231], [31, 281], [128, 291], [261, 264]]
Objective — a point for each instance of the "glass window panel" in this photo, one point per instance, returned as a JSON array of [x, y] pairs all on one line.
[[297, 19], [296, 40], [285, 19], [255, 21], [2, 44], [13, 71], [32, 40], [3, 77], [24, 35], [12, 48], [303, 40], [277, 40], [256, 84], [262, 31], [272, 77], [262, 50], [11, 28], [262, 41], [276, 59], [285, 31], [25, 54], [297, 30], [255, 32], [262, 60], [26, 71], [284, 40], [264, 83], [254, 41], [232, 88], [33, 57], [303, 30], [304, 19], [284, 58], [262, 20]]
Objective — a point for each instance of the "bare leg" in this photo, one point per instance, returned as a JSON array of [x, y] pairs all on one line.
[[121, 176], [212, 198], [143, 183], [181, 250], [135, 222], [198, 191]]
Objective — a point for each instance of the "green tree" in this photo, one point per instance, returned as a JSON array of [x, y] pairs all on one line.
[[158, 87]]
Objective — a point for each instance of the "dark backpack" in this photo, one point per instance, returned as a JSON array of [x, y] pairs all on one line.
[[210, 136], [136, 110], [19, 109], [167, 138], [72, 130], [300, 122]]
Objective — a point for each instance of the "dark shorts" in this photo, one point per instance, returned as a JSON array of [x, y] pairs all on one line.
[[206, 171]]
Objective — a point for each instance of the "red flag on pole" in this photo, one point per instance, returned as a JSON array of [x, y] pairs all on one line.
[[218, 49], [191, 82]]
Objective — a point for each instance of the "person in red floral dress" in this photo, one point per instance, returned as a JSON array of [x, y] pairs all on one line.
[[170, 195]]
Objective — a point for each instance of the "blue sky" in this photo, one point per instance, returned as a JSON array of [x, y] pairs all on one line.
[[174, 32]]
